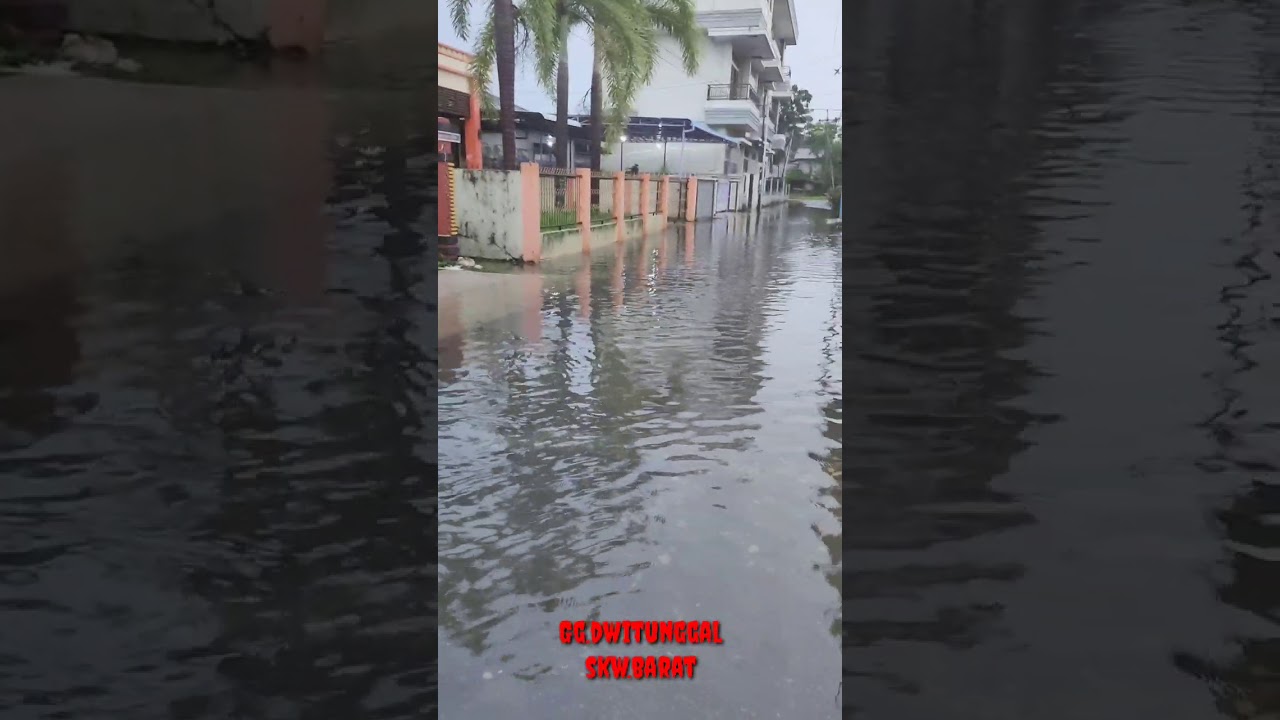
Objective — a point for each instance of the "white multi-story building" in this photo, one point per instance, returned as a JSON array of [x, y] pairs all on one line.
[[737, 92]]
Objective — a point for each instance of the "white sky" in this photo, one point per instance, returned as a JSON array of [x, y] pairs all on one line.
[[813, 60]]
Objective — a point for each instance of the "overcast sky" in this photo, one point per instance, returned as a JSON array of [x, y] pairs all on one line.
[[813, 60]]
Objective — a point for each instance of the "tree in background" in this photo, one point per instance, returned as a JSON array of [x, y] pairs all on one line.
[[794, 116], [825, 140], [624, 54]]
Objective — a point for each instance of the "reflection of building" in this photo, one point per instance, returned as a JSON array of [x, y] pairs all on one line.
[[458, 109]]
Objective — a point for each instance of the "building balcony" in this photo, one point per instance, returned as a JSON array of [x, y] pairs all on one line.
[[747, 24], [771, 71], [734, 106], [783, 85]]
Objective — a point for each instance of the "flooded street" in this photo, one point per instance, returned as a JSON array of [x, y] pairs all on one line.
[[654, 435], [1062, 284], [216, 404]]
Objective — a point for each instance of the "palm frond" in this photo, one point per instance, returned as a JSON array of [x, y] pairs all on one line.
[[458, 10]]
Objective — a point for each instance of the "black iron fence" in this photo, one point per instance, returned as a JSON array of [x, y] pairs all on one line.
[[558, 192], [733, 92], [601, 196]]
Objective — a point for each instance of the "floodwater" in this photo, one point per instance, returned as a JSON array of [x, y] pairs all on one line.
[[216, 404], [1063, 289], [653, 435]]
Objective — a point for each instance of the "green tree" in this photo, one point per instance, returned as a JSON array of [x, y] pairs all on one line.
[[624, 72], [495, 49], [824, 139], [624, 53], [794, 116]]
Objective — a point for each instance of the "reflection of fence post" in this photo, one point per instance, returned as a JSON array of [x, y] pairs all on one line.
[[691, 200], [530, 212], [584, 207], [644, 202], [619, 204]]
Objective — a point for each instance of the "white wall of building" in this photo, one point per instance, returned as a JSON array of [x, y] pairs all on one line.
[[671, 93], [699, 158]]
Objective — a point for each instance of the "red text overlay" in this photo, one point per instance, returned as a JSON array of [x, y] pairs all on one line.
[[628, 632]]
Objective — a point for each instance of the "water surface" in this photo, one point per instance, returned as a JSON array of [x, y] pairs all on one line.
[[655, 436], [1065, 437]]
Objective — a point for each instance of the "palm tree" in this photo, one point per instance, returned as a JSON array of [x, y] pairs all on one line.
[[496, 46], [625, 52]]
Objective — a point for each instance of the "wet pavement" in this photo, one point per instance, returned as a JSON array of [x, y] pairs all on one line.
[[1063, 226], [653, 434]]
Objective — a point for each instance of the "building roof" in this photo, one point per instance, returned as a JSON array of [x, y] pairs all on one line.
[[537, 122], [493, 99], [670, 129]]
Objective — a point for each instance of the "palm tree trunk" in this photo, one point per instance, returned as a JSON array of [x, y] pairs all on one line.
[[562, 92], [597, 107], [505, 50]]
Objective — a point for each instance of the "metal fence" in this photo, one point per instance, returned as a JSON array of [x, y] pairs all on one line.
[[558, 190], [677, 196], [655, 191], [631, 197], [601, 196]]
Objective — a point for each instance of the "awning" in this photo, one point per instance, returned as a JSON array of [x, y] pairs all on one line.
[[700, 127], [671, 129]]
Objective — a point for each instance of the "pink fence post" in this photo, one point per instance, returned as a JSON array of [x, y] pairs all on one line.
[[531, 212], [664, 196], [619, 208], [691, 200], [584, 207], [645, 182]]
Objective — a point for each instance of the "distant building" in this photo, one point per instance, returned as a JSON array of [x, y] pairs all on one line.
[[738, 91], [535, 140], [458, 108]]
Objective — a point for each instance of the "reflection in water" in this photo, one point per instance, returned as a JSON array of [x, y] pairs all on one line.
[[663, 446], [1062, 269], [216, 443]]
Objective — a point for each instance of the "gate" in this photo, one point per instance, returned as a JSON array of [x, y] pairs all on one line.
[[724, 194], [706, 199]]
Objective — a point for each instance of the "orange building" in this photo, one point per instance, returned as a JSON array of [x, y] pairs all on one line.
[[458, 109]]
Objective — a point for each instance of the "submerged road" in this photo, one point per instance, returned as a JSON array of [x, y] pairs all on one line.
[[653, 434], [1063, 289]]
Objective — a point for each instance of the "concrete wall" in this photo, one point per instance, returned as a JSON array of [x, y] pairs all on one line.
[[453, 71], [490, 214]]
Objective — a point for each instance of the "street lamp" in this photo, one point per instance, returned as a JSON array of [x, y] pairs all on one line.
[[622, 152]]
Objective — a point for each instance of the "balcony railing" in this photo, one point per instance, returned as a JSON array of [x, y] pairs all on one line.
[[733, 92]]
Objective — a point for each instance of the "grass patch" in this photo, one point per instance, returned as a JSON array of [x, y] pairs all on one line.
[[558, 219]]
